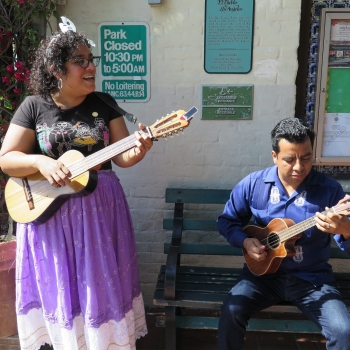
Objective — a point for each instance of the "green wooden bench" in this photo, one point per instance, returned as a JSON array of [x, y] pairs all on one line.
[[192, 295]]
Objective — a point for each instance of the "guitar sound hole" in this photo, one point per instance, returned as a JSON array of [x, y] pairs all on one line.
[[273, 241]]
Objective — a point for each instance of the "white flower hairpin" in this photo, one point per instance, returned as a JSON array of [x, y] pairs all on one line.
[[69, 25]]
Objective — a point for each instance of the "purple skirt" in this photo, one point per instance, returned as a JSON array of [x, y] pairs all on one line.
[[82, 261]]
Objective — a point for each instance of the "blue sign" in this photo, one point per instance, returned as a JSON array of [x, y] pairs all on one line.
[[228, 38]]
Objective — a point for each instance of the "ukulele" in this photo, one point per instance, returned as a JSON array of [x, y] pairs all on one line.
[[279, 237], [33, 199]]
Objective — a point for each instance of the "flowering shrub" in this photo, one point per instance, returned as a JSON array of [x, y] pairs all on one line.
[[22, 26]]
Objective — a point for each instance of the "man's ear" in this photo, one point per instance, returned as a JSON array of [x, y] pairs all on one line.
[[274, 156]]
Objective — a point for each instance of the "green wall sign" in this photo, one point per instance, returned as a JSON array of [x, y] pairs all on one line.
[[228, 37], [227, 102], [125, 64]]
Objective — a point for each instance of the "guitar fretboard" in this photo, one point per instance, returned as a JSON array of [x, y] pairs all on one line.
[[101, 156]]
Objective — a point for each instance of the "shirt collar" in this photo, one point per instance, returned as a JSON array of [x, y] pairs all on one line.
[[313, 179]]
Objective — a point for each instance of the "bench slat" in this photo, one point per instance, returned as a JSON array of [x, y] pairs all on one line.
[[191, 195], [212, 301], [200, 287], [202, 279], [209, 301], [192, 224], [198, 322], [204, 270], [206, 249]]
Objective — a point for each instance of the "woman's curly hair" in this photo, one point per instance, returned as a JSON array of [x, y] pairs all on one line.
[[50, 58]]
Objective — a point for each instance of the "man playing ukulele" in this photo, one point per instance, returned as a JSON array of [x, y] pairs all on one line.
[[291, 262]]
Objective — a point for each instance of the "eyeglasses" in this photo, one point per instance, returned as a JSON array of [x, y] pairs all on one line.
[[84, 62]]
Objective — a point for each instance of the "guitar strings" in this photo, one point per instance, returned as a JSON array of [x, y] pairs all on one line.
[[101, 156], [284, 235], [81, 166]]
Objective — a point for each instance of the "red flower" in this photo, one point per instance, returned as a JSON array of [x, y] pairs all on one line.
[[21, 2], [19, 65], [6, 80], [17, 91], [18, 76], [10, 68]]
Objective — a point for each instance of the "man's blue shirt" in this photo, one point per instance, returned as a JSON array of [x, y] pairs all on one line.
[[261, 195]]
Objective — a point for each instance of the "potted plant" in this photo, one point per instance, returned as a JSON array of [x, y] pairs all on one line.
[[7, 273], [23, 24]]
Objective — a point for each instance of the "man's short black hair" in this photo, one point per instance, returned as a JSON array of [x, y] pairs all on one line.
[[293, 130]]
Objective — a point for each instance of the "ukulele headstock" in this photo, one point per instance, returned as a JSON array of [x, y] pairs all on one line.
[[172, 123]]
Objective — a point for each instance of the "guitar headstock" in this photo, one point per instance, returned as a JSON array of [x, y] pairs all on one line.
[[172, 123]]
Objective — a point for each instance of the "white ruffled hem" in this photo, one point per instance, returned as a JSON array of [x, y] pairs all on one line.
[[34, 331]]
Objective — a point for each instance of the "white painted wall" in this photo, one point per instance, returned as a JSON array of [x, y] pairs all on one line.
[[211, 154]]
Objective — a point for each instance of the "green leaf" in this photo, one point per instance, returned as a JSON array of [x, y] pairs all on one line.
[[8, 104], [56, 14]]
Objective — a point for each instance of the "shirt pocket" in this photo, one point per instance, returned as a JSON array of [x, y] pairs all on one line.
[[310, 212]]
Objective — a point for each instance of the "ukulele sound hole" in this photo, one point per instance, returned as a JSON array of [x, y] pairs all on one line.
[[273, 241]]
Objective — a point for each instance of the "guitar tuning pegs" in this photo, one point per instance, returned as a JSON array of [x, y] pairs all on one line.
[[164, 136]]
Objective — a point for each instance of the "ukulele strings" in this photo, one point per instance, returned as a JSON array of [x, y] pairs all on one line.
[[284, 235]]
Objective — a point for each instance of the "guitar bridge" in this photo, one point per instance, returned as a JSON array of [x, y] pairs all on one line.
[[28, 193]]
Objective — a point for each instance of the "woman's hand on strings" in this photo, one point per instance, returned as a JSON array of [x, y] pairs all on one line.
[[54, 171]]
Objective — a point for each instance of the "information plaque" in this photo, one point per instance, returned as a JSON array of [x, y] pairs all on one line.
[[227, 102], [228, 37]]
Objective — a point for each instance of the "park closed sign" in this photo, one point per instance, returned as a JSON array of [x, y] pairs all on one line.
[[125, 64]]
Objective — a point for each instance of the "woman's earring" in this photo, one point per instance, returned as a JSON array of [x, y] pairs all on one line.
[[59, 84]]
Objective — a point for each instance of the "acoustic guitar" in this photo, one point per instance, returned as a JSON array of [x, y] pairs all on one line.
[[279, 237], [33, 199]]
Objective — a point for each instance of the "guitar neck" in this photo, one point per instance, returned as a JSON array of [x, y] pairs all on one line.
[[172, 123], [294, 230], [102, 156]]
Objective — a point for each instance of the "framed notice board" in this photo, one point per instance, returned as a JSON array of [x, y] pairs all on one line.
[[332, 103], [228, 37]]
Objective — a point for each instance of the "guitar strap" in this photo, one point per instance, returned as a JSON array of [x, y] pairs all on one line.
[[130, 117]]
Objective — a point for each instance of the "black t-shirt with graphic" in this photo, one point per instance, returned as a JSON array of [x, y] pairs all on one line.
[[83, 128]]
